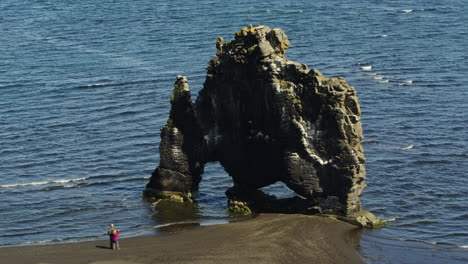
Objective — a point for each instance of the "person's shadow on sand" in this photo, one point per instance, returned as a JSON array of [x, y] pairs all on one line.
[[103, 247]]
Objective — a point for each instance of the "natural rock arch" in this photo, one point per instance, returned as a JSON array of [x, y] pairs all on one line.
[[265, 119]]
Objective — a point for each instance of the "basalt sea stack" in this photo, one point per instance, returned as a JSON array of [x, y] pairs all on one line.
[[265, 119]]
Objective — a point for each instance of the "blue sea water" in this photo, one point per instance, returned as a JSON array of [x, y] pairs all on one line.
[[85, 87]]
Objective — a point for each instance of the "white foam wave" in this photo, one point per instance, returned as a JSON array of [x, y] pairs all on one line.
[[366, 68], [132, 206], [95, 84], [88, 208], [464, 246], [384, 81], [407, 82], [407, 10], [41, 182], [408, 147], [33, 242]]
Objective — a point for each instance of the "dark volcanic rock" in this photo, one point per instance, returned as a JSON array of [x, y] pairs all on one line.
[[265, 119]]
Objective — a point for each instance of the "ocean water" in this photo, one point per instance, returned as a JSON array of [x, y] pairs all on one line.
[[85, 88]]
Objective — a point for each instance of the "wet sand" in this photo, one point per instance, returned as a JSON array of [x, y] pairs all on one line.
[[267, 238]]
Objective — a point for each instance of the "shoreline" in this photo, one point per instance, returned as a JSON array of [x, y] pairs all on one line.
[[266, 238]]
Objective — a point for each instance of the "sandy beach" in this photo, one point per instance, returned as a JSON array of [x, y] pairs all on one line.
[[266, 238]]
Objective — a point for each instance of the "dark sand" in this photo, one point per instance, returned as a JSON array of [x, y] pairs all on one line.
[[267, 238]]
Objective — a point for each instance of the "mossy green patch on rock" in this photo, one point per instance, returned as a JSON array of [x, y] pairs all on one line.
[[369, 220], [168, 196], [239, 207]]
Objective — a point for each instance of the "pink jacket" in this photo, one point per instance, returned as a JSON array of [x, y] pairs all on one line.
[[115, 237]]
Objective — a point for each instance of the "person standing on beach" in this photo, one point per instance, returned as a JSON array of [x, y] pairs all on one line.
[[115, 239], [109, 232]]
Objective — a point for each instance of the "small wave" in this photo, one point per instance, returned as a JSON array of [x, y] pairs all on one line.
[[61, 125], [445, 245], [69, 198], [388, 161], [397, 242], [115, 181], [22, 234], [125, 113], [408, 147], [54, 241], [407, 82], [139, 82], [425, 222], [57, 187], [407, 10], [459, 128], [464, 246], [133, 206], [92, 85], [95, 184], [78, 210], [464, 234], [114, 201], [42, 182], [87, 208], [104, 176], [461, 217], [366, 68], [432, 162], [38, 202], [32, 242], [370, 142], [134, 179]]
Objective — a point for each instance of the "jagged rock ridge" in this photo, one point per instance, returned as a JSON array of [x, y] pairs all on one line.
[[265, 119]]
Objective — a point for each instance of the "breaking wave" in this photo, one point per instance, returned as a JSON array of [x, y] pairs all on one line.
[[13, 185]]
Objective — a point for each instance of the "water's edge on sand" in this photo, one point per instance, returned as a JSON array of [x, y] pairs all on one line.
[[266, 238]]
